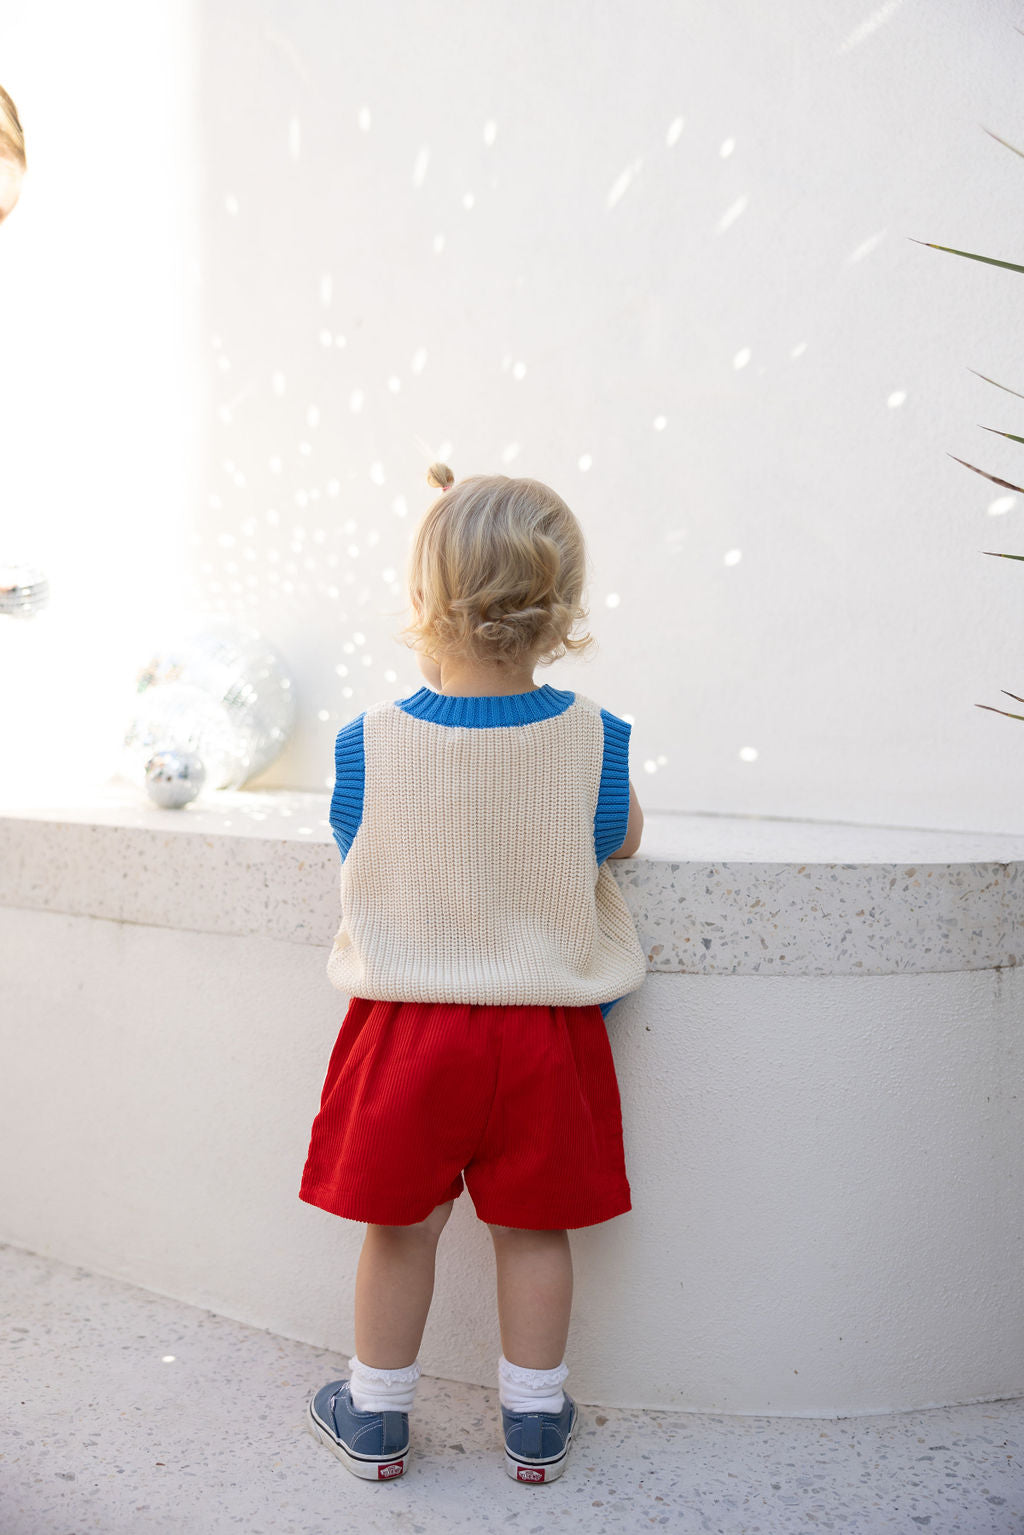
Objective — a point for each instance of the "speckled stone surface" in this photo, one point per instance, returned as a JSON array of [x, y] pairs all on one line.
[[712, 895], [102, 1433]]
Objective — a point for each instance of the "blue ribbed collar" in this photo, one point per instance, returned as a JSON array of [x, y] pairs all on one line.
[[502, 709]]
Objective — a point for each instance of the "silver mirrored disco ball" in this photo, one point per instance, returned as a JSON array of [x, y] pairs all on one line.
[[220, 697], [174, 778], [24, 589]]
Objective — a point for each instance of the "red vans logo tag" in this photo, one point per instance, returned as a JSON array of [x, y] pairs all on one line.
[[395, 1469], [529, 1474]]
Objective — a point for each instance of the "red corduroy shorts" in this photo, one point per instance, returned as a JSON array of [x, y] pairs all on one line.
[[523, 1101]]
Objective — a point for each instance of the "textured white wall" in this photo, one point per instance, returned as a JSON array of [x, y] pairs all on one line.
[[272, 259], [820, 1167]]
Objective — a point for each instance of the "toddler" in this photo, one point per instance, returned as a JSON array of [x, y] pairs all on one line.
[[483, 941]]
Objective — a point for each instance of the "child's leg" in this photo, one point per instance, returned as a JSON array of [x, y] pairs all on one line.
[[394, 1288], [534, 1295]]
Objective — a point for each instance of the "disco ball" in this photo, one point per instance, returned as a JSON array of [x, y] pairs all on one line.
[[219, 699]]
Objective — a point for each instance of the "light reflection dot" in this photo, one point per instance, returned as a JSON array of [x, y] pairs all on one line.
[[399, 506], [277, 383], [231, 203], [377, 472], [275, 465], [390, 676], [394, 384], [612, 600], [660, 423], [748, 753], [650, 766], [333, 487], [798, 350], [167, 1359], [355, 400], [662, 761], [741, 358], [490, 131], [467, 200], [675, 128], [1000, 506], [313, 416], [341, 670], [585, 462], [509, 452], [438, 244], [322, 714], [733, 556], [519, 371], [333, 592], [896, 398], [325, 338], [364, 119], [727, 147], [419, 360], [305, 449], [339, 340], [388, 575]]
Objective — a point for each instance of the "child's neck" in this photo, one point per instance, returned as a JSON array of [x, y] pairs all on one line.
[[466, 681]]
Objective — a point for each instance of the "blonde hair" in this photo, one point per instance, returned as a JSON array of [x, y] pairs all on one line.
[[497, 572], [12, 137]]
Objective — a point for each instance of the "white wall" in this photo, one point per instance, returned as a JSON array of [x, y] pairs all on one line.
[[102, 404], [522, 264]]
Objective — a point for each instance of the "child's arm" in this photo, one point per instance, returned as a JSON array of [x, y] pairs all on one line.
[[634, 828]]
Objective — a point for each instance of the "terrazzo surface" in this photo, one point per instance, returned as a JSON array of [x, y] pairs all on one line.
[[710, 895], [102, 1432]]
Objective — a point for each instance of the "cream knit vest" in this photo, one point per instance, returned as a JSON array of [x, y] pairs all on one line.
[[473, 835]]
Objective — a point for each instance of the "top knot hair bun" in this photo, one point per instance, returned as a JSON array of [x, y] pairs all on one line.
[[440, 476]]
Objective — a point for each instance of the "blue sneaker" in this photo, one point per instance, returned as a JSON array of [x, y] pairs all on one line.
[[374, 1445], [537, 1443]]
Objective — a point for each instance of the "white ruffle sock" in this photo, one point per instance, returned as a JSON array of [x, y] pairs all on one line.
[[382, 1390], [522, 1390]]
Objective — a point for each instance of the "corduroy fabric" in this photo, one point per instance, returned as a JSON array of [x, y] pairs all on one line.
[[519, 1104], [473, 834]]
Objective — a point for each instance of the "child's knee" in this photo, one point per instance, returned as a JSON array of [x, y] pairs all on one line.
[[502, 1233], [432, 1226]]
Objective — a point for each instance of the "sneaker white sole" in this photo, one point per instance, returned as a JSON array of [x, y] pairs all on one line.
[[537, 1471], [369, 1467]]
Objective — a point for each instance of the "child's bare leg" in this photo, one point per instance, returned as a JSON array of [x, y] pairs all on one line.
[[394, 1288], [534, 1295]]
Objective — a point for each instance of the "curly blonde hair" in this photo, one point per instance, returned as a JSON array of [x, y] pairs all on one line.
[[12, 136], [497, 572]]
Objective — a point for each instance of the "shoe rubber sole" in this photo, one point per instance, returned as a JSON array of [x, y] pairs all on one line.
[[370, 1467], [537, 1471]]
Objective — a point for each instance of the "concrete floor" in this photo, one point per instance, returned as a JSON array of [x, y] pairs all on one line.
[[99, 1433]]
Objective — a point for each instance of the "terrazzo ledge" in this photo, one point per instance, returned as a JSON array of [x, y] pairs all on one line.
[[711, 894]]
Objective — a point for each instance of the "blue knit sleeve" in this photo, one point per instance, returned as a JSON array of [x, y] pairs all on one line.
[[612, 814], [349, 778]]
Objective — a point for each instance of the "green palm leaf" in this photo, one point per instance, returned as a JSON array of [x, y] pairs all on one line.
[[985, 475], [1011, 266]]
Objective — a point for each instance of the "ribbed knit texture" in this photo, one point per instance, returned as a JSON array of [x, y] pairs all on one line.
[[473, 834]]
